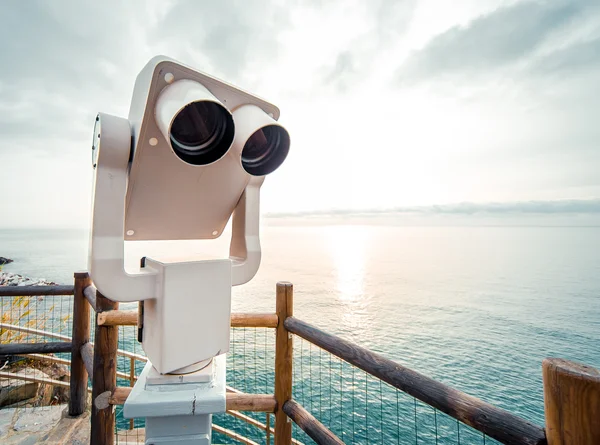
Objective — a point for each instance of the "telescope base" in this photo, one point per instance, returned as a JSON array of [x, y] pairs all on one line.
[[178, 411]]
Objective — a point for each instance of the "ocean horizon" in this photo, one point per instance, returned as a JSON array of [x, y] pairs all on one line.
[[477, 308]]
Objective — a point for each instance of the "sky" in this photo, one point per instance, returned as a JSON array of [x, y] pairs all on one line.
[[390, 104]]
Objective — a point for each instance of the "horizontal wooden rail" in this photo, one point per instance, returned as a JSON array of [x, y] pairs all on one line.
[[249, 420], [235, 436], [130, 318], [118, 318], [48, 358], [34, 291], [35, 348], [64, 361], [235, 401], [311, 426], [119, 395], [30, 377], [90, 295], [12, 327], [257, 424], [495, 422], [25, 329], [256, 320], [265, 403]]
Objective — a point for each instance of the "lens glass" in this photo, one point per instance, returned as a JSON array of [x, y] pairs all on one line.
[[202, 132], [265, 150]]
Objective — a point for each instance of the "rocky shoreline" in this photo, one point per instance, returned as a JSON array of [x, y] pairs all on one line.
[[14, 279]]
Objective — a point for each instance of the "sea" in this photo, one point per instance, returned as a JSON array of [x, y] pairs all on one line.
[[476, 307]]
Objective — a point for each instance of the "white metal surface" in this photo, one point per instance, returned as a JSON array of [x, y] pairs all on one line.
[[189, 319], [179, 399], [106, 253], [187, 315], [203, 375], [178, 412], [144, 191], [168, 199]]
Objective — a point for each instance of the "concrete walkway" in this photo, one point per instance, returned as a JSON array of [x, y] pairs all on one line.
[[48, 425]]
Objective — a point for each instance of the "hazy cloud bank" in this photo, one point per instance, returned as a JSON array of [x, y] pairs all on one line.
[[567, 206]]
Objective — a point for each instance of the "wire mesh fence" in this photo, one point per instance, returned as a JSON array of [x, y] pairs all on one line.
[[250, 369], [34, 319], [357, 407], [362, 409]]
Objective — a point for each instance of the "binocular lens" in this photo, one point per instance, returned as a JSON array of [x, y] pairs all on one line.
[[202, 132], [265, 150]]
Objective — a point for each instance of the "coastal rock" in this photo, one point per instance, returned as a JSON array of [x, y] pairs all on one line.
[[54, 394], [13, 390], [38, 421], [4, 261], [13, 279]]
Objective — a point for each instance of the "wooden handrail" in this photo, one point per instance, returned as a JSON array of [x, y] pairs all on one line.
[[64, 361], [12, 327], [495, 422], [311, 426], [34, 291], [254, 320], [233, 435], [238, 320], [35, 348], [48, 358], [27, 377], [25, 329], [265, 403], [118, 318]]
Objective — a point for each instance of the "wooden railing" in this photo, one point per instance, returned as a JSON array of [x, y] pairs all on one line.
[[102, 365], [571, 391]]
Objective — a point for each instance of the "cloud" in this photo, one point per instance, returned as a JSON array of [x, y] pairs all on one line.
[[327, 65], [575, 58], [229, 36], [384, 24], [491, 42], [64, 61], [561, 207]]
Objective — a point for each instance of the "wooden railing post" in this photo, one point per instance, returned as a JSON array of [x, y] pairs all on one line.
[[80, 336], [104, 379], [571, 403], [283, 363]]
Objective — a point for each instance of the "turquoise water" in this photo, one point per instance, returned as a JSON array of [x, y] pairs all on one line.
[[475, 307]]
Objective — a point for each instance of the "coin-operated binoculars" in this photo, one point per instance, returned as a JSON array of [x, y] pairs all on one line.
[[193, 153]]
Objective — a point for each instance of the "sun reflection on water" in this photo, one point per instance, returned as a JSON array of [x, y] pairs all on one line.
[[348, 248]]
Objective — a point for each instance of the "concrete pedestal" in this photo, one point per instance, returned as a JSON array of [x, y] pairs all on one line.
[[178, 408]]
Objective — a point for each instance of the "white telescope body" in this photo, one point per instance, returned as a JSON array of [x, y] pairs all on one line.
[[192, 154]]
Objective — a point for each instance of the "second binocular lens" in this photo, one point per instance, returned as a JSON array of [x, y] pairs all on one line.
[[265, 150]]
